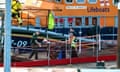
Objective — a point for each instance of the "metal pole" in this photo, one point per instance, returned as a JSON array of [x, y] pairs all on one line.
[[70, 50], [47, 38], [97, 47], [28, 21], [2, 28], [99, 42], [49, 54], [66, 47], [93, 48], [35, 9], [118, 38], [80, 48], [47, 24], [7, 42]]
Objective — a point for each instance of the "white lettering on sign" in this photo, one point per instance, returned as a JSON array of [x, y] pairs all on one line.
[[19, 43], [76, 7]]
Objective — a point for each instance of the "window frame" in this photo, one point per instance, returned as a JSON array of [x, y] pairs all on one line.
[[78, 18], [94, 18], [80, 2], [92, 2], [68, 2], [115, 4], [87, 23], [63, 23], [58, 1]]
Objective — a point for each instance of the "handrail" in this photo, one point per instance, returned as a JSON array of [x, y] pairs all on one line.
[[41, 9]]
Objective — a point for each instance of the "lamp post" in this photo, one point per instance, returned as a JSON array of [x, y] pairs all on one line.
[[118, 37]]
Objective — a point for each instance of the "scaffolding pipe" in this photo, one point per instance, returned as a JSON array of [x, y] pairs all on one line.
[[7, 34], [41, 9]]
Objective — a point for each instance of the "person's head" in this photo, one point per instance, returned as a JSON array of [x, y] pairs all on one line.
[[71, 34], [37, 33]]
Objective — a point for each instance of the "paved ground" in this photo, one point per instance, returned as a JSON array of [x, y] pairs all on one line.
[[59, 70], [108, 65]]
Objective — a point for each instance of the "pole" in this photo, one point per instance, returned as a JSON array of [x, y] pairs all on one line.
[[28, 21], [47, 38], [118, 37], [49, 54], [2, 28], [7, 41], [97, 47], [99, 42], [80, 48], [66, 46]]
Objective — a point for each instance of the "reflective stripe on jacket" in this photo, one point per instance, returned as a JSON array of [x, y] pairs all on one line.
[[73, 43]]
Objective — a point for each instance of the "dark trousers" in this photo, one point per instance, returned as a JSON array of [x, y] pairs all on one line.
[[73, 53], [14, 14], [34, 52]]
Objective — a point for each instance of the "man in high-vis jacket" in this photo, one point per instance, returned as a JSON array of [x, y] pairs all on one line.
[[73, 44], [16, 8]]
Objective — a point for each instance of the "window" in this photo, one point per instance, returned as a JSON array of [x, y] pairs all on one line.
[[94, 21], [69, 1], [78, 21], [56, 22], [70, 21], [115, 2], [86, 21], [58, 1], [61, 21], [80, 1], [92, 1]]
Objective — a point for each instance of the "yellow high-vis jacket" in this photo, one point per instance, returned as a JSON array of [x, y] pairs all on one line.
[[16, 6]]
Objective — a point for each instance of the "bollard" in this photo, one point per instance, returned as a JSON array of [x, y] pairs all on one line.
[[100, 64], [78, 70]]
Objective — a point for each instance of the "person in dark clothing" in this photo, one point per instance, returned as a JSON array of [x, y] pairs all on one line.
[[35, 45]]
